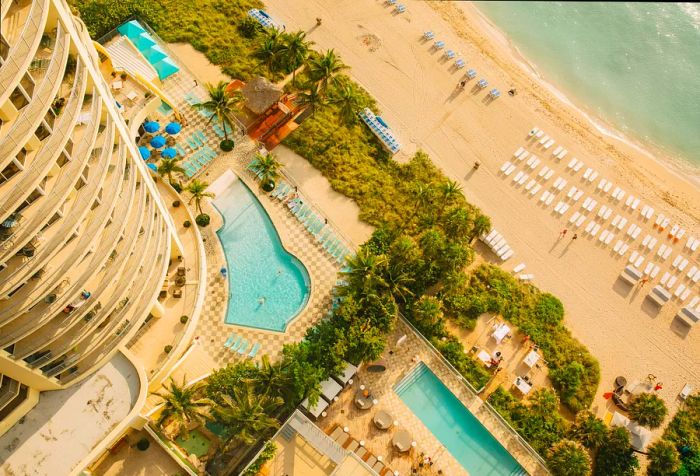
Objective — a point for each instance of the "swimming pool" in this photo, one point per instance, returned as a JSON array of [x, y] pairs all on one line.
[[469, 442], [267, 286]]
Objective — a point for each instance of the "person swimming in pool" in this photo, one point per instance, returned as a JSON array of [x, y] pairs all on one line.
[[261, 300]]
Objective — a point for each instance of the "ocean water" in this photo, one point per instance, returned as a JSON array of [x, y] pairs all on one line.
[[267, 285], [636, 65]]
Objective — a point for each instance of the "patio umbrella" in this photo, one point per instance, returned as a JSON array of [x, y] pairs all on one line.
[[168, 153], [151, 127], [153, 167], [157, 142], [143, 41], [165, 68], [173, 128], [145, 152], [154, 54]]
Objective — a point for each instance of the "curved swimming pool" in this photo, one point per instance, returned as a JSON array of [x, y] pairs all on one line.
[[267, 285]]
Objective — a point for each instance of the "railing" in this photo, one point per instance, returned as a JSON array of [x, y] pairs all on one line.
[[21, 50], [474, 393]]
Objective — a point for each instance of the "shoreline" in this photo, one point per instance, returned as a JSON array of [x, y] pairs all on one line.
[[677, 164]]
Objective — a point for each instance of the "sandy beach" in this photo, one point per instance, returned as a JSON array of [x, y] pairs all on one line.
[[415, 89]]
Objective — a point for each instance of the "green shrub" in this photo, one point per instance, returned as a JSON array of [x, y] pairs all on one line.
[[167, 348], [663, 459], [268, 186], [177, 186], [176, 203], [568, 458], [616, 456], [266, 455], [143, 444], [648, 409], [187, 224], [684, 432], [248, 27], [184, 319], [574, 372], [202, 219]]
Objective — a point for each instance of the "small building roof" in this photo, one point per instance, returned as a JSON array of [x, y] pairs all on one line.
[[260, 94]]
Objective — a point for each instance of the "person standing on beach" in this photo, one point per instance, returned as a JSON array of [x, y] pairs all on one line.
[[574, 237], [562, 233]]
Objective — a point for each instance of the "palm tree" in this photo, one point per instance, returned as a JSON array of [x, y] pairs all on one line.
[[222, 106], [365, 273], [247, 413], [198, 191], [168, 167], [324, 67], [569, 458], [397, 281], [269, 51], [647, 409], [310, 98], [295, 51], [267, 167], [271, 378], [183, 405], [448, 190], [349, 100], [422, 196]]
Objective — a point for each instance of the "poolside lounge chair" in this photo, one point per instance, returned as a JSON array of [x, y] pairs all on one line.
[[237, 345], [685, 392], [254, 351], [229, 341], [243, 348]]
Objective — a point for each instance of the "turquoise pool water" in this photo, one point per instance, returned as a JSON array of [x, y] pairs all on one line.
[[267, 285], [454, 426]]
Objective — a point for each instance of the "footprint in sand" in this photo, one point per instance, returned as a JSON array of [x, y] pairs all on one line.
[[371, 41]]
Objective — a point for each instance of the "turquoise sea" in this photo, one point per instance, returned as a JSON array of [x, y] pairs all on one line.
[[635, 65]]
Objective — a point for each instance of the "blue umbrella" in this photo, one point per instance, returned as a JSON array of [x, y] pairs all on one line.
[[173, 128], [153, 167], [157, 142], [131, 29], [145, 152], [151, 127], [168, 153]]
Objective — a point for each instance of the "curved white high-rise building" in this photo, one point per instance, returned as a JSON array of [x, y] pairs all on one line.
[[85, 240]]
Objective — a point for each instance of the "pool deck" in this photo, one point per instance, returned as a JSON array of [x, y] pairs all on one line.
[[211, 329], [400, 360]]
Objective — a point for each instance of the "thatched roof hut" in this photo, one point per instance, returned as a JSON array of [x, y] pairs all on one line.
[[260, 94]]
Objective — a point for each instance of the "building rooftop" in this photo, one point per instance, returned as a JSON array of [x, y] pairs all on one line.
[[66, 425]]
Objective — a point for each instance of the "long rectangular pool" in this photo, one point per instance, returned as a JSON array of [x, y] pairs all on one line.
[[469, 442]]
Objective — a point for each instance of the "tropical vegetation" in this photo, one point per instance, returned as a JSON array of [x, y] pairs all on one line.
[[267, 168], [183, 406], [683, 434], [168, 167], [648, 409], [222, 106], [198, 192], [569, 458]]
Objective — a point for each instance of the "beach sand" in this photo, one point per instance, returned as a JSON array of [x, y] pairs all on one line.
[[415, 89], [198, 64]]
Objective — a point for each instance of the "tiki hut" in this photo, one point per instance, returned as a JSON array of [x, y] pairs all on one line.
[[260, 94]]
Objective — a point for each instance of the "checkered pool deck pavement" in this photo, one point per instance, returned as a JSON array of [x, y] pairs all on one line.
[[212, 330]]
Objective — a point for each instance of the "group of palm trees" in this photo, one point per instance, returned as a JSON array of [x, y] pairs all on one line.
[[322, 82]]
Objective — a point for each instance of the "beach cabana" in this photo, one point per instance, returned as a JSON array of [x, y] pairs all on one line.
[[500, 333], [173, 128], [168, 153], [347, 374], [659, 295], [154, 54], [688, 316], [330, 389], [157, 142], [317, 409], [639, 435], [165, 67], [145, 152], [151, 127], [143, 41], [131, 29], [631, 275]]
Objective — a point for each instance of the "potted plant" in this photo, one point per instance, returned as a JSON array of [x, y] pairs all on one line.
[[123, 76], [267, 168], [223, 106], [176, 203], [187, 224], [167, 348], [202, 219], [183, 319], [143, 444]]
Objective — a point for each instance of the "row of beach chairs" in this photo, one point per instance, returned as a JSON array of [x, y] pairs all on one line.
[[498, 244], [241, 346], [197, 160], [380, 129]]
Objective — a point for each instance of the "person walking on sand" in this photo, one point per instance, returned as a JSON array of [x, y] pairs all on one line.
[[562, 233], [643, 281], [574, 237]]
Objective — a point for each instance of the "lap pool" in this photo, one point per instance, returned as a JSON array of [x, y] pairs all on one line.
[[469, 442], [267, 286]]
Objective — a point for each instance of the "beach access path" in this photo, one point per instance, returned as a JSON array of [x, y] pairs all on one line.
[[415, 89]]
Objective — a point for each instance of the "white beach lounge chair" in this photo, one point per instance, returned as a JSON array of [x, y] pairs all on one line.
[[505, 166], [557, 150], [685, 391], [692, 272], [562, 154], [518, 152], [617, 246], [530, 184], [533, 131], [535, 189], [548, 175], [509, 170], [518, 176], [544, 140], [593, 176], [580, 220], [577, 195], [549, 144], [518, 268], [574, 217], [578, 166]]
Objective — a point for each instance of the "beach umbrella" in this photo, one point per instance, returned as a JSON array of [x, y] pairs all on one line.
[[151, 127], [168, 153], [145, 152], [131, 29], [173, 128], [157, 142], [153, 167]]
